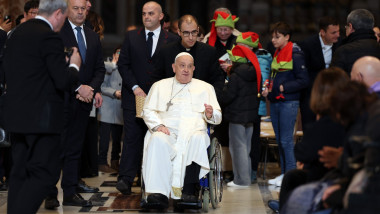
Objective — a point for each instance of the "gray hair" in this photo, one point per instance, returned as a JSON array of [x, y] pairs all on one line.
[[47, 7], [361, 19]]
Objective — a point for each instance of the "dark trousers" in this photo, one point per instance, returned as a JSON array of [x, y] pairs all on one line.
[[5, 162], [89, 159], [105, 132], [292, 179], [191, 181], [131, 156], [255, 144], [76, 119], [35, 164]]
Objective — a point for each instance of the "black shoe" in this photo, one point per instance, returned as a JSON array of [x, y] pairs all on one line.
[[51, 203], [189, 198], [83, 188], [123, 187], [157, 198], [76, 200], [274, 205]]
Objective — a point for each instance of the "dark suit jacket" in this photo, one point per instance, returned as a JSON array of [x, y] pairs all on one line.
[[314, 59], [206, 63], [136, 66], [92, 70], [36, 76]]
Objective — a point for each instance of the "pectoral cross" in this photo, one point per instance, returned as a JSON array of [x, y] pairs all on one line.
[[168, 105]]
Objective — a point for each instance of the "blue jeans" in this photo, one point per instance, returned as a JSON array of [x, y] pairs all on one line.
[[283, 116]]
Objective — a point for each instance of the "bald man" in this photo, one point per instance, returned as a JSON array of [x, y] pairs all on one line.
[[367, 70], [136, 64]]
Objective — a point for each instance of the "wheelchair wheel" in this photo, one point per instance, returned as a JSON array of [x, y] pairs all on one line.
[[205, 200], [216, 174]]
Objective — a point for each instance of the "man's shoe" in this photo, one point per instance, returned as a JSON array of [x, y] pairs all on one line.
[[84, 188], [157, 198], [274, 205], [189, 198], [123, 187], [51, 203], [232, 184], [76, 200], [106, 169]]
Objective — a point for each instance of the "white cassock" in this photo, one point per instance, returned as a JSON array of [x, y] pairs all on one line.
[[165, 157]]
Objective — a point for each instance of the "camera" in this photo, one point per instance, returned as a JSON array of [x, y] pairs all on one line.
[[7, 17], [68, 51]]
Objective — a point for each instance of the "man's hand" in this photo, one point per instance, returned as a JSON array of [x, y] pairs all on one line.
[[208, 111], [163, 129], [75, 57], [115, 58], [98, 100], [329, 156], [139, 92], [6, 25], [118, 94], [86, 92]]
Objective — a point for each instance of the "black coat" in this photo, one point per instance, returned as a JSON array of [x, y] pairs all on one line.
[[205, 60], [92, 71], [358, 44], [240, 95], [136, 66], [36, 76], [324, 132]]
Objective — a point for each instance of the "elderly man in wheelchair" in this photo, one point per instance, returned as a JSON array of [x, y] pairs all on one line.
[[177, 111]]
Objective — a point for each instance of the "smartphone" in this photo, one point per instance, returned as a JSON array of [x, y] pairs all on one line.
[[7, 17]]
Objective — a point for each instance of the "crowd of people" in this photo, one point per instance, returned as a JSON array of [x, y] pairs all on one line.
[[63, 104]]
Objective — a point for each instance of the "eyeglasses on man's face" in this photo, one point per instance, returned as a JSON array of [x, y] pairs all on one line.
[[187, 33]]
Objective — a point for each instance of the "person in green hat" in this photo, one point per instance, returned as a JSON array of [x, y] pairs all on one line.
[[240, 99], [251, 41]]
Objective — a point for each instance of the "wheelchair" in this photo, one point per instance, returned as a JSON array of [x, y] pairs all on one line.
[[211, 185]]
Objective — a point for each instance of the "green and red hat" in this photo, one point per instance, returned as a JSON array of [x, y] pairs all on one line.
[[249, 38], [221, 19], [242, 54]]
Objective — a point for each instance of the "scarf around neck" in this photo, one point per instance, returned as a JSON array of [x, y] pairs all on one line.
[[283, 59]]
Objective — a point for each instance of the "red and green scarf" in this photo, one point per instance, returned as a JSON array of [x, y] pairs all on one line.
[[283, 59]]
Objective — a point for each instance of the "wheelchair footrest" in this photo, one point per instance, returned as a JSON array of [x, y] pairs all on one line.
[[152, 206], [189, 205]]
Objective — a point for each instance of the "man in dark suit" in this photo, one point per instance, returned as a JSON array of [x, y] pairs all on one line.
[[91, 75], [206, 62], [137, 57], [318, 50], [36, 76]]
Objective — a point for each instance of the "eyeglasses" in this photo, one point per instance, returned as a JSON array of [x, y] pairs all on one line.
[[347, 26], [187, 33]]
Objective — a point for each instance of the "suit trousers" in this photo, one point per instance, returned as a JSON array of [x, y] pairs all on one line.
[[105, 132], [35, 164], [76, 120], [133, 143], [89, 160]]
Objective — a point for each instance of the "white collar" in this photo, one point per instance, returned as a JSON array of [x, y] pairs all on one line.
[[156, 31], [45, 20], [74, 26], [323, 44]]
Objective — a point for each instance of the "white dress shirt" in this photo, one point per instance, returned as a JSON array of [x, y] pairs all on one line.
[[326, 51]]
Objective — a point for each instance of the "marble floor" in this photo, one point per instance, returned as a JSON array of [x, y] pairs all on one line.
[[248, 200]]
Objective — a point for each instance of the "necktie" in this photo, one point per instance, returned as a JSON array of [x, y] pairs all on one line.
[[81, 44], [149, 43]]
